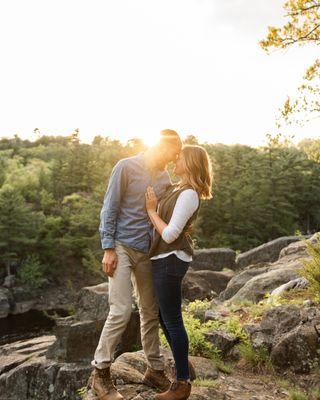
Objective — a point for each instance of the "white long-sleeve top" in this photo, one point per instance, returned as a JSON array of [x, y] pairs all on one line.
[[186, 204]]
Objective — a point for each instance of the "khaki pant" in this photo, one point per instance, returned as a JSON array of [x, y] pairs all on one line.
[[135, 266]]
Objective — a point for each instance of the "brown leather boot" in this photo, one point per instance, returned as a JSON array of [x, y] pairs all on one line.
[[103, 386], [156, 378], [179, 390]]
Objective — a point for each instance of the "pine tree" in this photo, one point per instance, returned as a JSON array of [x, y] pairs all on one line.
[[18, 226]]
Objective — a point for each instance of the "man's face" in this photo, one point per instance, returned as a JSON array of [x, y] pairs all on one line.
[[171, 153], [166, 153]]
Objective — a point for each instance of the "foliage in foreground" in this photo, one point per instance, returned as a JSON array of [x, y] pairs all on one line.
[[301, 27], [258, 357], [311, 267]]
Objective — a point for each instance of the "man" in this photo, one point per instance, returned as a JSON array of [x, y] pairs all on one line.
[[126, 233]]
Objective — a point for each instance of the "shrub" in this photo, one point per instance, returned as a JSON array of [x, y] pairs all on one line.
[[90, 261], [198, 306], [233, 325], [311, 268], [32, 272], [198, 346]]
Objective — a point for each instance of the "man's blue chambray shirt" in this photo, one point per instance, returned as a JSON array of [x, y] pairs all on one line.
[[123, 215]]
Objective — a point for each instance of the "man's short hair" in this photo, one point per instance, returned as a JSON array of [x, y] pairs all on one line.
[[170, 137]]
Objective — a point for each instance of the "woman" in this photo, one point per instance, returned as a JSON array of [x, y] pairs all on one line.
[[171, 253]]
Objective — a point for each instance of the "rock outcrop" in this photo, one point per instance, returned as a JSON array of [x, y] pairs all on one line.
[[19, 300], [6, 301], [204, 284], [241, 278], [77, 336], [26, 373], [289, 333], [213, 259], [255, 281], [266, 253]]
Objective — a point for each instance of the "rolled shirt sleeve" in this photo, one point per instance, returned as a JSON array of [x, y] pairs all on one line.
[[111, 205], [186, 205]]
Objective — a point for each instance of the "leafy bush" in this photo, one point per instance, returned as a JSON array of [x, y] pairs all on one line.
[[198, 308], [233, 325], [230, 324], [198, 346], [90, 261]]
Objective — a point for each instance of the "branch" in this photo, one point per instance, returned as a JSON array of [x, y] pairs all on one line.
[[292, 40], [302, 10]]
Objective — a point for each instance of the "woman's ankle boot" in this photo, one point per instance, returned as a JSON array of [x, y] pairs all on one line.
[[179, 390]]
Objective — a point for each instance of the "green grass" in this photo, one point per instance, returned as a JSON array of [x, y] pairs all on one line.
[[257, 357], [297, 395], [316, 393], [209, 383], [284, 383], [223, 367], [82, 391]]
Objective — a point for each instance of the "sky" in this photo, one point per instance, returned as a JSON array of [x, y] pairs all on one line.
[[124, 68]]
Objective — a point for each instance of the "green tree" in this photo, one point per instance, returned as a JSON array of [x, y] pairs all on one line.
[[18, 226]]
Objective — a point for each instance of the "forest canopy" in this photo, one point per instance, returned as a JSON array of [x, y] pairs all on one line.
[[51, 193]]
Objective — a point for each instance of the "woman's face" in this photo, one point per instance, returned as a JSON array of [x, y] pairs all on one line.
[[179, 168]]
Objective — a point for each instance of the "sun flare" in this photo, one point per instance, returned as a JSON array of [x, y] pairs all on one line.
[[150, 140]]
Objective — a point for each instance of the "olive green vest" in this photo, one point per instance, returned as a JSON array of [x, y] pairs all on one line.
[[165, 211]]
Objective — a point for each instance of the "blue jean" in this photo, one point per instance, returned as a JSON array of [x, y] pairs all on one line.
[[167, 275]]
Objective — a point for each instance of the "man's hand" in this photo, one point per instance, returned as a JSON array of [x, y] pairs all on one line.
[[109, 261]]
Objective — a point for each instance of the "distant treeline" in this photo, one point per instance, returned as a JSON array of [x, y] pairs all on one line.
[[51, 193]]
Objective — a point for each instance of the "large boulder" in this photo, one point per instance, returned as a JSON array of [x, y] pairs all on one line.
[[297, 349], [78, 336], [289, 333], [215, 259], [204, 284], [267, 252], [14, 354], [258, 286], [5, 302], [77, 340], [224, 341], [38, 378], [240, 279], [267, 277], [205, 368], [22, 299], [92, 302]]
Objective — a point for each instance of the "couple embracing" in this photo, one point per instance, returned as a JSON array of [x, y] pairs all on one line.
[[144, 227]]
